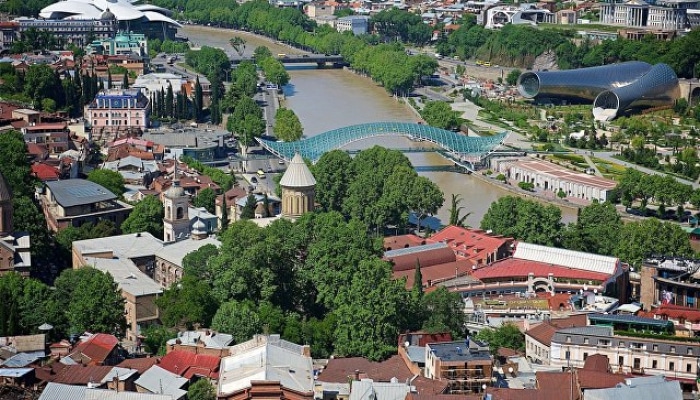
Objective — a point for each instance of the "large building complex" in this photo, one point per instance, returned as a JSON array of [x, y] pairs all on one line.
[[151, 20], [122, 110], [659, 15], [74, 31], [551, 177]]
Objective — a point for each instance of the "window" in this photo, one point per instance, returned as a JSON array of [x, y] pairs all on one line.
[[603, 342], [690, 351], [655, 347], [567, 355], [671, 366], [636, 363], [620, 360], [568, 339], [585, 356], [654, 364], [688, 367], [585, 341], [621, 344], [673, 349]]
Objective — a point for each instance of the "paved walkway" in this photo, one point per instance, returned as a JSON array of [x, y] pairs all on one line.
[[608, 156], [592, 165]]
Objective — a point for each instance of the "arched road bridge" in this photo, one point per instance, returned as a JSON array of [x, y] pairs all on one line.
[[460, 148]]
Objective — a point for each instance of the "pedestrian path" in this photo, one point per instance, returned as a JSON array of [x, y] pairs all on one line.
[[592, 165]]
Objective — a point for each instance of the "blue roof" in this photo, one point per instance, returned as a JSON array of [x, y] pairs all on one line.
[[628, 319], [314, 147]]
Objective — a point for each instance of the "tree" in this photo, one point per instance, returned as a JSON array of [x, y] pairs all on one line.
[[371, 312], [444, 311], [440, 115], [201, 390], [508, 336], [248, 211], [524, 220], [597, 230], [48, 105], [205, 198], [418, 281], [512, 78], [109, 79], [239, 319], [332, 172], [156, 338], [196, 263], [147, 216], [456, 217], [187, 303], [125, 80], [287, 125], [238, 44], [70, 234], [108, 179], [247, 120], [15, 167], [91, 300], [651, 236], [198, 100]]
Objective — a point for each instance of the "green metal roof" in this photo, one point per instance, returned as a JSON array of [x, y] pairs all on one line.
[[314, 147]]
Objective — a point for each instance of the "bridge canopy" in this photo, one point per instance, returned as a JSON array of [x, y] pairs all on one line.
[[314, 147]]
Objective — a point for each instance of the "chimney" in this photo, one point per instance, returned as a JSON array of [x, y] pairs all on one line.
[[306, 350], [357, 374]]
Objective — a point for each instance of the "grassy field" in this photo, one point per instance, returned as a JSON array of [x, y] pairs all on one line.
[[608, 169]]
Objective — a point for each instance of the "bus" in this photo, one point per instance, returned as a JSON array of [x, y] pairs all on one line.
[[281, 55], [261, 174]]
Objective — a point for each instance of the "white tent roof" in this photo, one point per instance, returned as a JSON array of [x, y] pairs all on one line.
[[566, 258]]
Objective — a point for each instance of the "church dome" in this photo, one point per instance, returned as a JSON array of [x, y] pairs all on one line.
[[107, 15], [199, 227], [175, 191], [298, 174]]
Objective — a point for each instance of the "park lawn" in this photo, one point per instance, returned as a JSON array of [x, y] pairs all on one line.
[[608, 169]]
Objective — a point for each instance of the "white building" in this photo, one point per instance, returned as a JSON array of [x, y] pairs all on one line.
[[154, 83], [357, 24]]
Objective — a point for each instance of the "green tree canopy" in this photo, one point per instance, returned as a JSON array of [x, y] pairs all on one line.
[[205, 198], [524, 220], [597, 230], [147, 216], [440, 115], [108, 179], [91, 300], [332, 173], [508, 336], [287, 125], [239, 319], [186, 303], [651, 236], [202, 389]]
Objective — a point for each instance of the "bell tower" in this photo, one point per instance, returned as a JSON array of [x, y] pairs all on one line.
[[176, 222]]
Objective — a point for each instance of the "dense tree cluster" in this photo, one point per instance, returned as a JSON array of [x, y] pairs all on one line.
[[147, 216], [156, 46], [664, 190], [108, 179], [287, 125], [318, 280], [221, 178], [395, 24], [83, 300], [378, 187], [598, 230], [439, 114]]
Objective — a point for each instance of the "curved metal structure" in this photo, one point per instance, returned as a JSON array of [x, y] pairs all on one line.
[[658, 87], [313, 148], [583, 84]]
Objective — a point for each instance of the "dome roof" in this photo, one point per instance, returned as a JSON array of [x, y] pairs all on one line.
[[175, 190], [199, 227], [5, 193], [107, 15], [298, 174]]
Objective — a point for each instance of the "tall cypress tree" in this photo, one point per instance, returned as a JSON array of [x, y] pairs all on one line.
[[169, 101], [224, 213], [198, 100], [125, 80], [109, 79], [418, 280]]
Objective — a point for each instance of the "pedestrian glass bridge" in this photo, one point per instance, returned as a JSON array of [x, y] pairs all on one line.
[[459, 145]]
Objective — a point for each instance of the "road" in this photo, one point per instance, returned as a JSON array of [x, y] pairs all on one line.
[[608, 156]]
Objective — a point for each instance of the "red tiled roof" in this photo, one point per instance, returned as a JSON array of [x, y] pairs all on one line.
[[96, 349], [435, 273], [180, 362], [402, 241], [427, 258], [555, 384], [597, 363], [589, 379], [339, 370], [49, 373], [472, 244], [572, 321], [231, 195], [506, 352], [139, 364], [45, 172], [81, 374], [47, 126], [513, 267], [543, 333], [676, 312]]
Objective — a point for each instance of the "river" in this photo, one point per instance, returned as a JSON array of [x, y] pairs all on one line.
[[333, 98]]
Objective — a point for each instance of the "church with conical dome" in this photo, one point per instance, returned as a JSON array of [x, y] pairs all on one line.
[[298, 189]]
